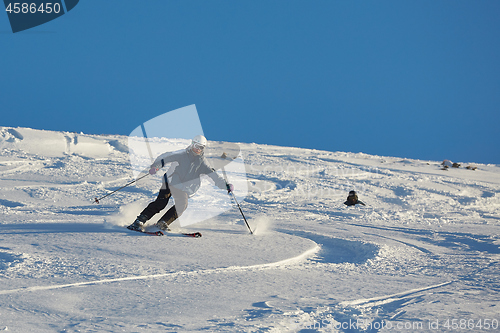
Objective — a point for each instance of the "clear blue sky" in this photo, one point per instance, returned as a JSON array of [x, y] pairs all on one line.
[[416, 79]]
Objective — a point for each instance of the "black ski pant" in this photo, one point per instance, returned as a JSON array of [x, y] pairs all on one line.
[[180, 204]]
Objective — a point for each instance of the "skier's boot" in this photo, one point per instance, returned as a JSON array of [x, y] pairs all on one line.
[[167, 219], [138, 224], [162, 225]]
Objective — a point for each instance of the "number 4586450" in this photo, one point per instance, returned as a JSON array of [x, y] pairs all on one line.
[[471, 324], [33, 8]]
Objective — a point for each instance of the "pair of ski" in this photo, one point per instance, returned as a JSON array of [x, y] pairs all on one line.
[[161, 233]]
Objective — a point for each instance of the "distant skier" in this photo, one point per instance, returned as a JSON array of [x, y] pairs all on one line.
[[352, 199], [188, 165]]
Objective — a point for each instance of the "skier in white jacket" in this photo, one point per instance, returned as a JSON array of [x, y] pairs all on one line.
[[190, 164]]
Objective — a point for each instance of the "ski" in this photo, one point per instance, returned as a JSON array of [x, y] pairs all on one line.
[[152, 233], [192, 234], [161, 233], [186, 234]]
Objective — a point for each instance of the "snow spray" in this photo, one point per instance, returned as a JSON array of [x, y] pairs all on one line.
[[262, 225], [126, 215]]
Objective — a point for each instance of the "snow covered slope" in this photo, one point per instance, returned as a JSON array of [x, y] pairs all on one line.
[[421, 256]]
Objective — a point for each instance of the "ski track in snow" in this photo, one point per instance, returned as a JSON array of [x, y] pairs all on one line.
[[426, 246]]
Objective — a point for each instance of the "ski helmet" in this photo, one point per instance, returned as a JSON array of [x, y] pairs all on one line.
[[198, 144]]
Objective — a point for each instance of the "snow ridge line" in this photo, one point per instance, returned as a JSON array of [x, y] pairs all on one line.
[[271, 265]]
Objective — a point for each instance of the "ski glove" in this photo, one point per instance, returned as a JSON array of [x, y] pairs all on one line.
[[152, 171], [230, 188]]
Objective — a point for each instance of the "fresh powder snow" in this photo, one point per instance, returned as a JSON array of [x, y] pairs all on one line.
[[421, 256]]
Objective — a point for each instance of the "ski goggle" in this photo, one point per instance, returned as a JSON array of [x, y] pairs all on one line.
[[198, 146]]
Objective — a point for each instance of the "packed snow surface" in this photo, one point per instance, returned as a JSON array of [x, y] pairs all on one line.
[[421, 256]]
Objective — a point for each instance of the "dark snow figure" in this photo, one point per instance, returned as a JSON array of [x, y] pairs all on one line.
[[352, 199], [181, 181]]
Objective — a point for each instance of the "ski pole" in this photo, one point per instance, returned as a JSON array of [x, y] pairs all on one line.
[[237, 204], [96, 200], [236, 201]]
